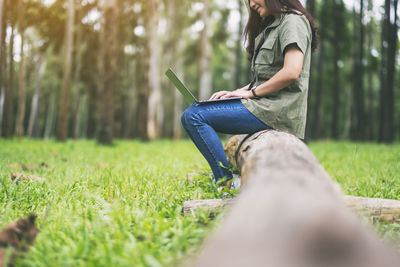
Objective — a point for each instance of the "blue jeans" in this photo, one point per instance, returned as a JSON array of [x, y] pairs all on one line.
[[201, 122]]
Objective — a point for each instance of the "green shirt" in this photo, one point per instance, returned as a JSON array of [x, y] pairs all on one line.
[[286, 109]]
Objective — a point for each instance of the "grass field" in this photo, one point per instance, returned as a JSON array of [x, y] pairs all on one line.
[[122, 205]]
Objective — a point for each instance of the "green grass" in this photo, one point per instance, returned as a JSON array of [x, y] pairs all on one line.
[[362, 169], [122, 205]]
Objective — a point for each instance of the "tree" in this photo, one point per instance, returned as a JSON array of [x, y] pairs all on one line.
[[7, 124], [316, 127], [174, 44], [65, 90], [205, 53], [358, 114], [152, 77], [388, 52], [2, 61], [310, 5], [338, 28], [108, 70], [238, 53], [33, 119], [19, 126]]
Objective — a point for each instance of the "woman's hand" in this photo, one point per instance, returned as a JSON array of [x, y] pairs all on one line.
[[219, 95], [244, 93]]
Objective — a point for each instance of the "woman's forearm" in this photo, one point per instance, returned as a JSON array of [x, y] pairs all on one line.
[[280, 80], [292, 68]]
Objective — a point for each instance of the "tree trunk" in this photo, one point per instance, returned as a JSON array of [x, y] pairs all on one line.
[[205, 53], [3, 62], [174, 44], [2, 22], [33, 120], [65, 91], [368, 208], [108, 71], [91, 112], [238, 53], [78, 94], [152, 78], [370, 110], [289, 213], [338, 19], [132, 102], [19, 125], [311, 7], [388, 52], [358, 118], [48, 131], [316, 127], [8, 117], [79, 117]]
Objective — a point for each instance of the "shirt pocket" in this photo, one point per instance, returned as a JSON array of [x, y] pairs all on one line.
[[266, 54]]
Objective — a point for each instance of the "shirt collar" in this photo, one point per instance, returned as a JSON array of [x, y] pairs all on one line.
[[277, 21]]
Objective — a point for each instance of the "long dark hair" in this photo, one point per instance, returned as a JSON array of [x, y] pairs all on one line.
[[255, 24]]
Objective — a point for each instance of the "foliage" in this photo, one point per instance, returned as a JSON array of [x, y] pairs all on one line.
[[122, 205], [114, 206]]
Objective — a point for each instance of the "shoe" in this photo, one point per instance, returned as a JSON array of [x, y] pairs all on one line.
[[232, 184], [236, 182]]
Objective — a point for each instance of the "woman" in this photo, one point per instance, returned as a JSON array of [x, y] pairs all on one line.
[[280, 36]]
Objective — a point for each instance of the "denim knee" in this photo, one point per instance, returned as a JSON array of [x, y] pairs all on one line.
[[189, 117]]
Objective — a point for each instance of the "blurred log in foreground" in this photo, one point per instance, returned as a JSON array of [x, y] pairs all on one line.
[[289, 213], [377, 208]]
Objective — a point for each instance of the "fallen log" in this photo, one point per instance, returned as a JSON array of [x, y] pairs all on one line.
[[289, 213], [376, 208]]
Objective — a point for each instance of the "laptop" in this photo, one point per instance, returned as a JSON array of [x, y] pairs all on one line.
[[188, 95]]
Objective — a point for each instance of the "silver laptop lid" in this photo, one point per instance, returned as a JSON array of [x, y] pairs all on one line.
[[189, 97]]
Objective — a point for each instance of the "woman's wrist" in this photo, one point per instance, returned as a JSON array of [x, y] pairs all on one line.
[[253, 92]]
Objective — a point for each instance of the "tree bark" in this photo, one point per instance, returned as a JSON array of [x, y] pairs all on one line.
[[78, 94], [205, 53], [79, 117], [283, 182], [108, 71], [371, 98], [19, 125], [2, 21], [33, 120], [2, 63], [338, 19], [388, 53], [65, 91], [316, 126], [376, 208], [48, 131], [174, 44], [358, 118], [8, 125], [311, 7], [91, 111], [152, 77], [238, 53]]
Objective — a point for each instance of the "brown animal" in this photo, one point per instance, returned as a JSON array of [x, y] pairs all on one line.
[[17, 236]]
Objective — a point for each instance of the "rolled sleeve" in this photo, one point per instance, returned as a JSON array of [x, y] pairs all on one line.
[[295, 29]]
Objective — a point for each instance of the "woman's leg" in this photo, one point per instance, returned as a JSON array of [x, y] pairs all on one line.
[[201, 122]]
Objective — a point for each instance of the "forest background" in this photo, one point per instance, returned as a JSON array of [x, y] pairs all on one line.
[[95, 68]]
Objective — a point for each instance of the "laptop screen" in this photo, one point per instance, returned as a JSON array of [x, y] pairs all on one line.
[[189, 97]]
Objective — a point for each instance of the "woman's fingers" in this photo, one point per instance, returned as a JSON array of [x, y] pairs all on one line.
[[218, 95], [230, 94]]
